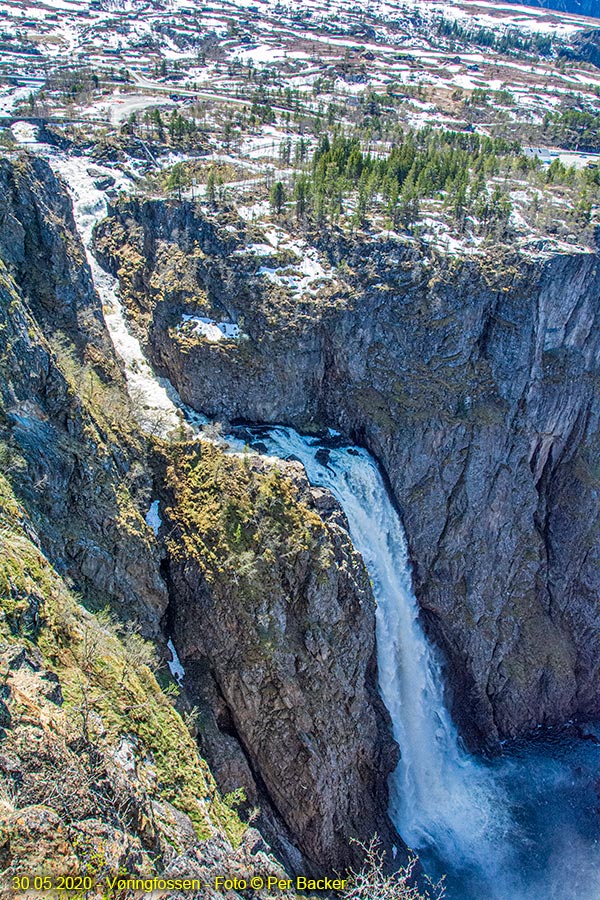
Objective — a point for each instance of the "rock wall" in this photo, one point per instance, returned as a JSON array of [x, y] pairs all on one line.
[[273, 618], [65, 418], [40, 247], [98, 772], [475, 384], [293, 701]]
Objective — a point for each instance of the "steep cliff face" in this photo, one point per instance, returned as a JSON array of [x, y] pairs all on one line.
[[98, 773], [474, 383], [65, 420], [492, 483], [40, 247], [272, 609], [172, 260], [585, 45]]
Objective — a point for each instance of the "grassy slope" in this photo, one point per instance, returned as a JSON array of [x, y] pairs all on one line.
[[102, 671]]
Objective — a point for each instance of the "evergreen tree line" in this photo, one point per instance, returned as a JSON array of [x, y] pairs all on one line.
[[507, 41], [177, 128], [72, 84], [424, 164], [574, 129]]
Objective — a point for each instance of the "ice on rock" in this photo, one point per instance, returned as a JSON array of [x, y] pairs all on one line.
[[175, 667]]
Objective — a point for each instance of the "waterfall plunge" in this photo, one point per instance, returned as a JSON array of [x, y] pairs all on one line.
[[522, 828], [439, 796]]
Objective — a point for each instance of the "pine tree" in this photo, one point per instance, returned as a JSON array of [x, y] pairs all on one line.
[[211, 188], [301, 196], [278, 197], [158, 123], [177, 179]]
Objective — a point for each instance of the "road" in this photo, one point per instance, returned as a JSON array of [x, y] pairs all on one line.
[[158, 87], [567, 157]]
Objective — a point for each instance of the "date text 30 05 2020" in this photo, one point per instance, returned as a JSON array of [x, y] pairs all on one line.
[[70, 883]]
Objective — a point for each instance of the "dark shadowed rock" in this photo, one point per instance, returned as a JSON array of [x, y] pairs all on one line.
[[278, 645]]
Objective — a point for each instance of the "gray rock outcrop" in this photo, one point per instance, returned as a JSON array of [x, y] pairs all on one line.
[[64, 406]]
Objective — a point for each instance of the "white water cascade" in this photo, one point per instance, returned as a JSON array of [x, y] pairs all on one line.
[[436, 785], [512, 830], [155, 401], [439, 794]]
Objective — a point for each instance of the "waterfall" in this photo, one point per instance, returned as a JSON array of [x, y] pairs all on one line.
[[438, 794], [155, 401], [521, 828]]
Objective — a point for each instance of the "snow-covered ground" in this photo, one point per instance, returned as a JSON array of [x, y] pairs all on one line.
[[208, 328], [24, 132], [324, 55], [10, 97], [129, 35]]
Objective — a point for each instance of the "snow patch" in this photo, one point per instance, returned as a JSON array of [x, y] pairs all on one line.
[[208, 328], [153, 518], [174, 664], [25, 132]]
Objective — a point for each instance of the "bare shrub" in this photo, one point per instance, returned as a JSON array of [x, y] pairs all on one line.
[[372, 883]]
